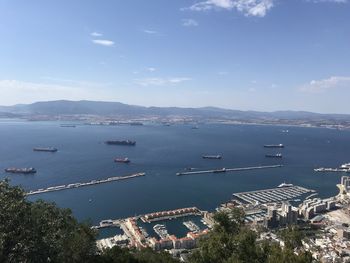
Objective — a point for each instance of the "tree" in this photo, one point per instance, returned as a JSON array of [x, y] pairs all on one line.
[[232, 242], [40, 231]]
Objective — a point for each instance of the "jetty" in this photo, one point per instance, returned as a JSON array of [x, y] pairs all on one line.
[[224, 170], [90, 183]]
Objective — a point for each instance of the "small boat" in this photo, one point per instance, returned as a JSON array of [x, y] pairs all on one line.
[[284, 185], [122, 160]]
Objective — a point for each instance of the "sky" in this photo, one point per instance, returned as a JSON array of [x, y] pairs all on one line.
[[263, 55]]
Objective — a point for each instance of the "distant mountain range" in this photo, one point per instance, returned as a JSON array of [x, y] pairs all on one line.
[[65, 107]]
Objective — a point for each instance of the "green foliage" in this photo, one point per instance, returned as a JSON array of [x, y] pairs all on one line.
[[122, 255], [40, 231], [231, 242], [292, 237]]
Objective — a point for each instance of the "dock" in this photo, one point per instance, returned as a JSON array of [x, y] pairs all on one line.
[[225, 170], [77, 185], [272, 195]]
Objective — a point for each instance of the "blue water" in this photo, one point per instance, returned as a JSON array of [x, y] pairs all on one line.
[[162, 151]]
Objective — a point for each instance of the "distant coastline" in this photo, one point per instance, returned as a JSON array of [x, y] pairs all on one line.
[[115, 113]]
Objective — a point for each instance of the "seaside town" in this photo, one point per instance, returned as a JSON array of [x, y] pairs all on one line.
[[266, 211]]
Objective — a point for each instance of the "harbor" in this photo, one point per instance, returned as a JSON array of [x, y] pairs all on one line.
[[77, 185], [224, 170]]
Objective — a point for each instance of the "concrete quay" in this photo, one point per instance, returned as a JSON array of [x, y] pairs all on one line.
[[90, 183], [224, 170]]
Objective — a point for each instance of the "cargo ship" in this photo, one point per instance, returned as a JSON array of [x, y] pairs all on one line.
[[122, 160], [274, 145], [45, 149], [211, 156], [277, 155], [118, 142], [68, 125], [13, 170]]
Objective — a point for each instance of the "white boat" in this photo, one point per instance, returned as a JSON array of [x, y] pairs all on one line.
[[284, 185]]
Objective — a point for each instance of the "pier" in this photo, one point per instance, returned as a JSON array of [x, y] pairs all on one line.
[[224, 170], [76, 185]]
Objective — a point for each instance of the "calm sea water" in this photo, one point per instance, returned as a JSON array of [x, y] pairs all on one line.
[[162, 151]]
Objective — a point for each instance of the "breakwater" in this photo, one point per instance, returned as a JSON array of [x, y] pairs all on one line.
[[90, 183]]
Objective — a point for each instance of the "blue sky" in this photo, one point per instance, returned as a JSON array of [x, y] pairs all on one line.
[[241, 54]]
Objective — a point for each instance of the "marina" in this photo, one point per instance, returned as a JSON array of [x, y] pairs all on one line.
[[76, 185], [224, 170], [273, 195]]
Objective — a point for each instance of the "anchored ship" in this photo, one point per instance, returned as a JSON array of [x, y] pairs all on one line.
[[211, 156], [118, 142], [14, 170], [122, 160], [68, 125], [274, 145], [45, 149], [277, 155]]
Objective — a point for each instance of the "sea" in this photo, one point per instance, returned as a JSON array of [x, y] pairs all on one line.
[[161, 152]]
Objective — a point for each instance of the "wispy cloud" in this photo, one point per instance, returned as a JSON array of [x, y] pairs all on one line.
[[329, 1], [103, 42], [160, 81], [247, 7], [151, 69], [151, 32], [189, 22], [96, 34], [323, 85]]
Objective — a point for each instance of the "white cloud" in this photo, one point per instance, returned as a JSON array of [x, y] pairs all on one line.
[[160, 81], [151, 32], [323, 85], [103, 42], [96, 34], [189, 22], [247, 7], [151, 69]]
